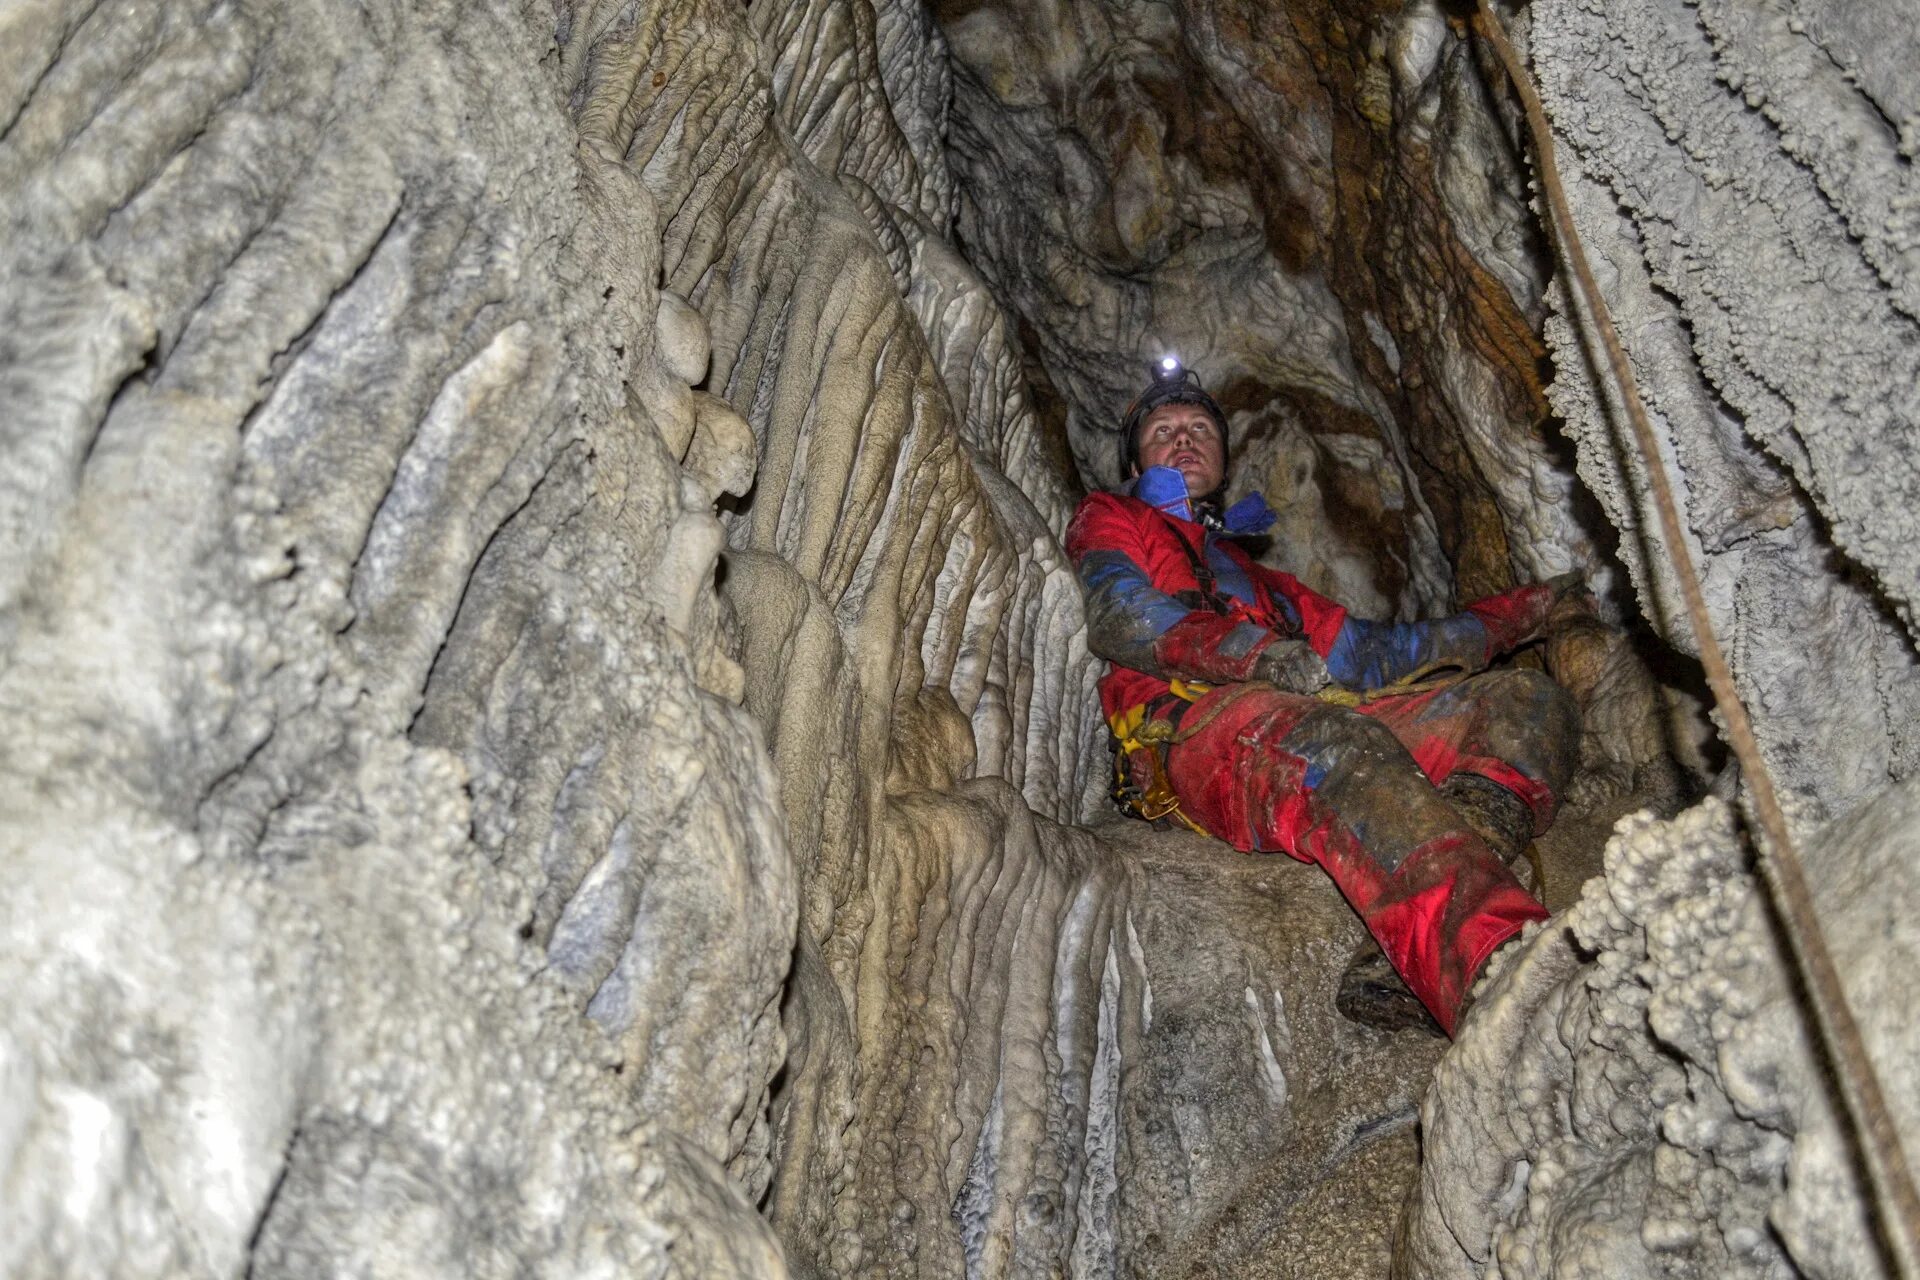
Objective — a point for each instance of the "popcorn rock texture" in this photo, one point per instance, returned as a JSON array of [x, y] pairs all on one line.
[[1640, 1093], [1742, 174]]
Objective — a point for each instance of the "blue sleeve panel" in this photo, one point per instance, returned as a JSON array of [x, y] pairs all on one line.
[[1370, 655], [1126, 613], [1232, 580]]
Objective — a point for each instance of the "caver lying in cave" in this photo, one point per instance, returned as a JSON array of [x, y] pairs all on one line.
[[1261, 712]]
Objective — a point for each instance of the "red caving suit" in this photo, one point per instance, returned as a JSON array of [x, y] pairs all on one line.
[[1349, 788]]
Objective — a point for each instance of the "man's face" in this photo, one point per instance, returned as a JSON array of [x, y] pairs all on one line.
[[1185, 437]]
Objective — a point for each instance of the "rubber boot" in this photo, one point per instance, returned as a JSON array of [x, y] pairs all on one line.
[[1496, 815], [1373, 995]]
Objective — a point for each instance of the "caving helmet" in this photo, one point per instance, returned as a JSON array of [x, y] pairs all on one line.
[[1173, 383]]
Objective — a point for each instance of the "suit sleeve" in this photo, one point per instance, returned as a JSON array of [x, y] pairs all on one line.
[[1132, 623], [1370, 655]]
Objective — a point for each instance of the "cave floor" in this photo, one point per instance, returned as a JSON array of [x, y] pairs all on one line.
[[1322, 1197]]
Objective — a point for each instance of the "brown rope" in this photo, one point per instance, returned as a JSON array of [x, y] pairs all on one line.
[[1897, 1203]]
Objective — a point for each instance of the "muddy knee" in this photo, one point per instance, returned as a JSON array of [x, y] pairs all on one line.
[[1531, 722], [1349, 758], [1342, 730]]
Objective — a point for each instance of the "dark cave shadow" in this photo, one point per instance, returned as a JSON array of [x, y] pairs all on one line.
[[1670, 666]]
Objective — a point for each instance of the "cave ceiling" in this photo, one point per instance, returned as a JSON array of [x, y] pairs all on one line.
[[1269, 192]]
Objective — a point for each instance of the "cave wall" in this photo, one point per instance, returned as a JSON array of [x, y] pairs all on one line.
[[1005, 1057], [1742, 175], [365, 661], [532, 591], [1641, 1094], [550, 727], [353, 727], [1313, 206]]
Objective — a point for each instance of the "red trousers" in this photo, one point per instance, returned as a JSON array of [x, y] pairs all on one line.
[[1353, 790]]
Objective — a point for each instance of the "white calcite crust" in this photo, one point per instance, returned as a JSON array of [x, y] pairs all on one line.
[[1639, 1092], [1743, 179], [384, 892]]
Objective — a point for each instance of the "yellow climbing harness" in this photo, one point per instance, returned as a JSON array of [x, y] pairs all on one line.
[[1143, 742]]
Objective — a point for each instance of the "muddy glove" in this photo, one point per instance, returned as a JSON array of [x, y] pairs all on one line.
[[1572, 603], [1292, 667]]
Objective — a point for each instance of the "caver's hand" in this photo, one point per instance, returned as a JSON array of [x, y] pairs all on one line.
[[1573, 602], [1291, 666]]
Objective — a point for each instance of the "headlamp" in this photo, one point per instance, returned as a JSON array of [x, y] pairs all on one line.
[[1172, 383]]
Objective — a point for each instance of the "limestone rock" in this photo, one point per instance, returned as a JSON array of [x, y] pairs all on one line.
[[1747, 204], [1110, 1050], [1320, 213], [355, 749], [550, 730]]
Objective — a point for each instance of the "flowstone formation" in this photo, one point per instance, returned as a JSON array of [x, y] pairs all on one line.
[[550, 729], [1744, 172], [1314, 206], [382, 891], [397, 867]]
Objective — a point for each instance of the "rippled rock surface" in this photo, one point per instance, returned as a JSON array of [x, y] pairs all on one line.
[[549, 730]]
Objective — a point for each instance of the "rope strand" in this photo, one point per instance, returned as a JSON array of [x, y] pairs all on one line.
[[1897, 1204]]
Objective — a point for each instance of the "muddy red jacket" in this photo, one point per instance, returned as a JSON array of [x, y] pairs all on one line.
[[1149, 615]]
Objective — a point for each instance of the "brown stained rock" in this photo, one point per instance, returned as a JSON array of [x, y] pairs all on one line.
[[1398, 256], [483, 802], [1630, 739], [1179, 110], [1326, 469], [1272, 192]]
